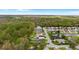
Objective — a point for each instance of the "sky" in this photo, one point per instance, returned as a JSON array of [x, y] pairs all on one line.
[[39, 11]]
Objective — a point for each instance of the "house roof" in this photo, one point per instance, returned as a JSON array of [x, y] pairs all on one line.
[[38, 27]]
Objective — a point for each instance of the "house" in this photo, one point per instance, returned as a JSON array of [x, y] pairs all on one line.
[[38, 30], [40, 36], [77, 47], [52, 28], [56, 36], [71, 34], [39, 33]]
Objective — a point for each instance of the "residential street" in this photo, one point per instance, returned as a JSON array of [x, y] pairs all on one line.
[[49, 41], [50, 44]]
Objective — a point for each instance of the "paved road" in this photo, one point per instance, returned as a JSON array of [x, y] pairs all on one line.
[[48, 40]]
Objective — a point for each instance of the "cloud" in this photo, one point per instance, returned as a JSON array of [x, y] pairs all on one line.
[[23, 10], [74, 12]]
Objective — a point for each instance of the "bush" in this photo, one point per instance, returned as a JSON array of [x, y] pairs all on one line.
[[62, 48], [51, 48], [55, 42]]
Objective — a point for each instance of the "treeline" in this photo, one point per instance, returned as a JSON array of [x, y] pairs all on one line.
[[62, 21]]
